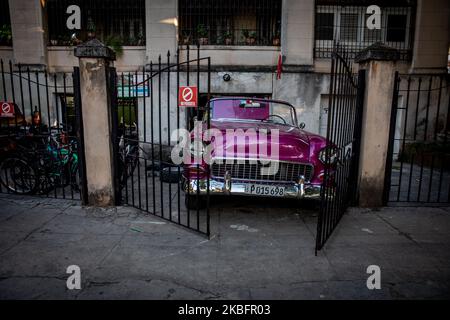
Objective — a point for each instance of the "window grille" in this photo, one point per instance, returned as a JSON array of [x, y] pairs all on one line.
[[118, 22], [232, 22], [344, 21]]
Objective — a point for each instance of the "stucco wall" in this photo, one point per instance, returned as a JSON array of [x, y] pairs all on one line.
[[431, 40], [27, 26], [243, 56], [306, 91], [62, 59], [33, 95]]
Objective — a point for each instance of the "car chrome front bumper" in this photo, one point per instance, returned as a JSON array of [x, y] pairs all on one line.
[[230, 187]]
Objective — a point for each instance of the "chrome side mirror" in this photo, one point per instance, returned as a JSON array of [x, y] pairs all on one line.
[[302, 125]]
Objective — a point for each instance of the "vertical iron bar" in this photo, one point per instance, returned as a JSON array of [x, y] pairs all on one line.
[[130, 139], [160, 138], [48, 100], [80, 135], [390, 157], [38, 99], [188, 112], [208, 173], [145, 88], [152, 138], [424, 138], [323, 193], [136, 113], [178, 127], [443, 155], [404, 137], [196, 115], [168, 131]]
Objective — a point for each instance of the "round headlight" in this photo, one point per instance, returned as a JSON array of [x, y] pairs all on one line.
[[197, 148], [331, 153]]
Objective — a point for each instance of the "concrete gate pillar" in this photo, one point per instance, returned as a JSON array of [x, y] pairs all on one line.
[[380, 63], [94, 59]]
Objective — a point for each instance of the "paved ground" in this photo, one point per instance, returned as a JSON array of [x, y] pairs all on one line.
[[259, 250]]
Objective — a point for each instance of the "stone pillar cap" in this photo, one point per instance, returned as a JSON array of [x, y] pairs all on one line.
[[377, 51], [94, 49]]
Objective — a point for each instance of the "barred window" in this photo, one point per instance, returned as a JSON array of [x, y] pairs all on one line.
[[218, 22], [117, 22], [396, 27], [344, 21], [325, 25], [5, 24], [349, 27]]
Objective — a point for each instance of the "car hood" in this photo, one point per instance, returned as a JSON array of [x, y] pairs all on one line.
[[292, 143]]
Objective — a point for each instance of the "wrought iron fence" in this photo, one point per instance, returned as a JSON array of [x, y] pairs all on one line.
[[39, 133], [339, 186], [345, 21], [145, 111], [418, 165], [245, 22], [115, 22]]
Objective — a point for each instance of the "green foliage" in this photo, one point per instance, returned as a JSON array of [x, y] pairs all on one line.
[[248, 34], [115, 43], [202, 31], [227, 34], [5, 34]]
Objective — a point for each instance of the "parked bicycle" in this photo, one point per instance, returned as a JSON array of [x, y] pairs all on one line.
[[45, 163]]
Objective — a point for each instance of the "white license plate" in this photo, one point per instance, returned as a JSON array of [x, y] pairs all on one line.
[[263, 190]]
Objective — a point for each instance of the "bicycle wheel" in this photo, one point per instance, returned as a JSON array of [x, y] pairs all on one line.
[[18, 176]]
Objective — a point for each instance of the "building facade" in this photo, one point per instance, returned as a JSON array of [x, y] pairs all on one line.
[[245, 40]]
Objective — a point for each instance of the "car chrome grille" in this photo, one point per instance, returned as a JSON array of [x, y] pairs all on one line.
[[251, 170]]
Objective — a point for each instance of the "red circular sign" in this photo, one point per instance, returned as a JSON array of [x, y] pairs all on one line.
[[6, 107], [187, 94]]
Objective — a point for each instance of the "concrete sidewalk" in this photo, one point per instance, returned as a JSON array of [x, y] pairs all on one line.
[[257, 251]]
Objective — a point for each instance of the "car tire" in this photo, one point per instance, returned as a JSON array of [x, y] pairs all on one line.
[[194, 202], [170, 174]]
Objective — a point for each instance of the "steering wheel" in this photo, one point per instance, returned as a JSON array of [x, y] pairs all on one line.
[[275, 115]]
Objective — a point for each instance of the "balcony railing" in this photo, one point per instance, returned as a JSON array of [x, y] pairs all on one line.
[[122, 23], [218, 22]]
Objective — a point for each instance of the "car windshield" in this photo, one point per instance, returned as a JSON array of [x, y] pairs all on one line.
[[253, 109]]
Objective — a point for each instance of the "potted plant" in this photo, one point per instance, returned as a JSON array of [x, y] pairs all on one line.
[[249, 36], [227, 38], [140, 39], [116, 44], [5, 35], [186, 38], [202, 34], [90, 28], [276, 39]]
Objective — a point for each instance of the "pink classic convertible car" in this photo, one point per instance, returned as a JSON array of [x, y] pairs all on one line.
[[236, 163]]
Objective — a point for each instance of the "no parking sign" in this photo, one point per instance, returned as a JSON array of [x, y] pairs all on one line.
[[7, 109], [188, 96]]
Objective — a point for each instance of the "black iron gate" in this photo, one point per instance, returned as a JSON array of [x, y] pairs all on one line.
[[343, 144], [418, 160], [146, 112], [40, 137]]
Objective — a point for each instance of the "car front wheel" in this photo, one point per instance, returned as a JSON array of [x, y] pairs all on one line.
[[194, 202]]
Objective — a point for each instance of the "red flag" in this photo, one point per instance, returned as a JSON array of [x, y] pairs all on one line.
[[279, 67]]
